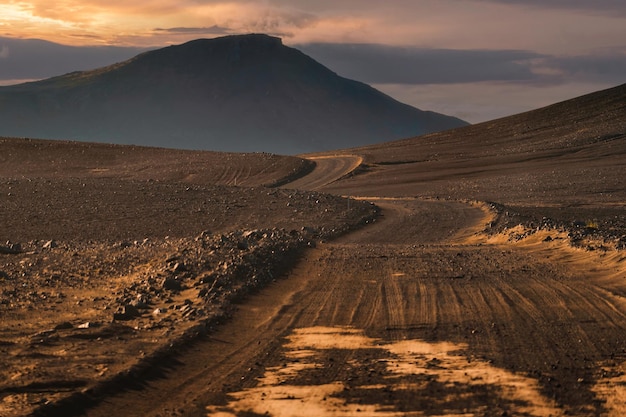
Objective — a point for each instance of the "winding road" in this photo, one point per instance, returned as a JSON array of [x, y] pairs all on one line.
[[408, 316], [328, 169], [413, 315]]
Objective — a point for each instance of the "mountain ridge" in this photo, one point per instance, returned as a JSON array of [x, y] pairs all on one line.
[[235, 93]]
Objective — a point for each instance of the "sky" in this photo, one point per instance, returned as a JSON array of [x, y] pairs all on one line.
[[474, 59]]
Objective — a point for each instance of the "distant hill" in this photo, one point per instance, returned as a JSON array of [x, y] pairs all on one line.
[[236, 93], [21, 59]]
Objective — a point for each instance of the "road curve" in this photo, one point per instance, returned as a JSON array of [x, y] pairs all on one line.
[[327, 170]]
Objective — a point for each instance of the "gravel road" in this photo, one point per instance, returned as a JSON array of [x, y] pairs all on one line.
[[409, 316]]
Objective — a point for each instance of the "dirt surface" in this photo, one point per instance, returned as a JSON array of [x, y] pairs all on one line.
[[488, 280], [328, 169], [31, 158], [102, 275], [419, 317]]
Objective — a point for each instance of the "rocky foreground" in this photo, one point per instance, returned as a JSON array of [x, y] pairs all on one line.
[[102, 302]]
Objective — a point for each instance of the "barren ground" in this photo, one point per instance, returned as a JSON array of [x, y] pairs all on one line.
[[111, 256], [489, 281], [414, 315]]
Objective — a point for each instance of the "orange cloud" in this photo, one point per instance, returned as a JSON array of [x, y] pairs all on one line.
[[113, 21], [426, 23]]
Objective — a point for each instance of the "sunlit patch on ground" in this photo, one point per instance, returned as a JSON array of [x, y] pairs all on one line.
[[378, 378], [611, 387]]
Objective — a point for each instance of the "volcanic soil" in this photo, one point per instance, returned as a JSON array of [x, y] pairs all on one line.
[[475, 272]]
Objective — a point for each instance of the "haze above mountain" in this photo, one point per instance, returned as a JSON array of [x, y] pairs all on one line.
[[236, 93]]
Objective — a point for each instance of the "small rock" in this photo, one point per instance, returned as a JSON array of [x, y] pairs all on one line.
[[126, 312], [205, 234], [158, 311], [87, 325], [64, 325], [179, 267], [171, 258], [171, 284], [141, 302], [51, 244]]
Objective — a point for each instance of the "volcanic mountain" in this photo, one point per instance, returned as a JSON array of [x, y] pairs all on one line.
[[235, 93]]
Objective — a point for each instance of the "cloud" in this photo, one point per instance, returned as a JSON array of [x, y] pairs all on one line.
[[212, 30], [604, 7], [608, 67], [274, 21], [382, 64], [546, 26]]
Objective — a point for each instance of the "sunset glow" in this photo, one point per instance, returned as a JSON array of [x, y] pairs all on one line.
[[449, 23], [570, 47]]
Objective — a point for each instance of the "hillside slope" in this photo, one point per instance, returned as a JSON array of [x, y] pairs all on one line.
[[36, 158], [236, 93], [565, 153]]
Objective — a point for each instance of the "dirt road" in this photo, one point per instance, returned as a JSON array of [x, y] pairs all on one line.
[[328, 169], [408, 317]]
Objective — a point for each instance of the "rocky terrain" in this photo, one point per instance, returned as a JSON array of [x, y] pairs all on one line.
[[479, 271], [112, 256]]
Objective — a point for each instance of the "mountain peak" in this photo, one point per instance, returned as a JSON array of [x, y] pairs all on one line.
[[256, 40], [218, 50], [229, 48]]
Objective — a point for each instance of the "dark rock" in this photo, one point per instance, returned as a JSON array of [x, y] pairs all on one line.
[[126, 312], [64, 325], [179, 267], [11, 248], [140, 303], [171, 284]]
